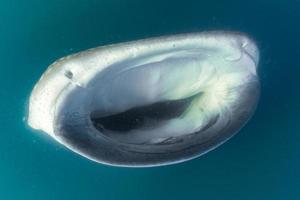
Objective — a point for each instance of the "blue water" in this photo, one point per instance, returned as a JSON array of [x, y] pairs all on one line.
[[261, 162]]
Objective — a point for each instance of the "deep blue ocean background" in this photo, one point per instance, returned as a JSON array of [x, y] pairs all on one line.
[[261, 162]]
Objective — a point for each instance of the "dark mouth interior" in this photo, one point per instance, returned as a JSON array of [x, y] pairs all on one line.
[[141, 117]]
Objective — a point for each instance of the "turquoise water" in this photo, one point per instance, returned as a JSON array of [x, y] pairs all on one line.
[[261, 162]]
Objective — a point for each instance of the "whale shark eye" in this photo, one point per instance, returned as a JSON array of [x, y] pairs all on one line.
[[69, 74], [149, 102]]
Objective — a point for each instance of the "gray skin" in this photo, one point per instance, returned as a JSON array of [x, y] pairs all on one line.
[[71, 121]]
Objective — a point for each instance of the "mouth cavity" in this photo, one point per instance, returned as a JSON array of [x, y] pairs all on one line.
[[143, 117]]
